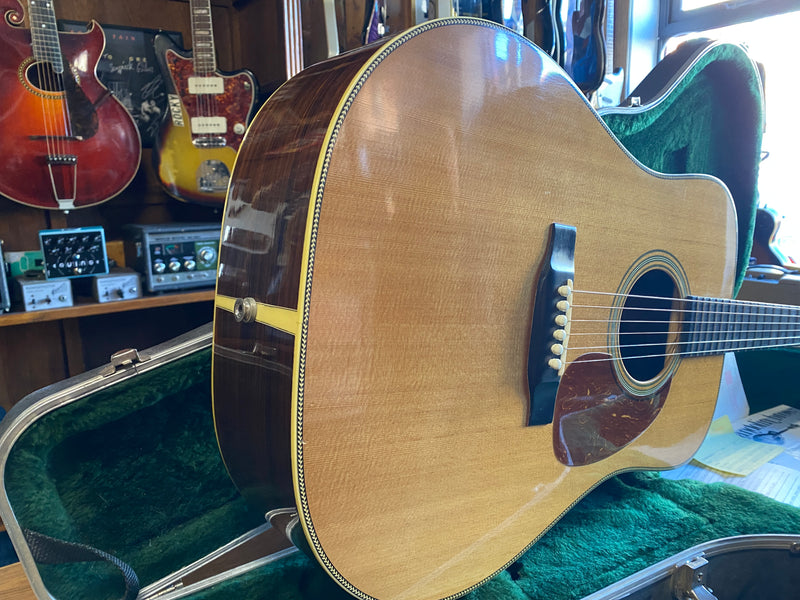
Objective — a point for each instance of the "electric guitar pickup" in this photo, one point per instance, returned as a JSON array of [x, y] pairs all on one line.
[[207, 115]]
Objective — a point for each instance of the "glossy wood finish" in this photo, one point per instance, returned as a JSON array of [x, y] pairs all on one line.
[[396, 238], [188, 171], [107, 146], [263, 232], [14, 584], [248, 34]]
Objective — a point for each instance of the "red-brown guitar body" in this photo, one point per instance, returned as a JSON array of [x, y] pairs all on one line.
[[69, 143]]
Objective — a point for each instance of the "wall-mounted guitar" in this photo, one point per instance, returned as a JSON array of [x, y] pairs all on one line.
[[583, 52], [74, 144], [611, 88], [207, 118]]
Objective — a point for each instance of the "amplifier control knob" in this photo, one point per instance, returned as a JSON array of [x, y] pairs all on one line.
[[159, 266], [207, 255], [174, 265], [189, 264]]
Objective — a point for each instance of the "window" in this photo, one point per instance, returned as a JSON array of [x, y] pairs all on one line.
[[771, 32]]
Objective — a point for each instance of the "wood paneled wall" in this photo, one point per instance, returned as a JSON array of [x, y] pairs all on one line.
[[248, 34]]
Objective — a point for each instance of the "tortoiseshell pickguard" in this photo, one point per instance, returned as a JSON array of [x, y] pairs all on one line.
[[235, 103], [594, 416]]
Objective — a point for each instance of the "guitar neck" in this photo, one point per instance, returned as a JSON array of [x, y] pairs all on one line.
[[203, 51], [715, 326], [609, 37], [44, 34]]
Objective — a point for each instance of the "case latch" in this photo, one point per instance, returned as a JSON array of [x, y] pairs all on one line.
[[124, 359], [688, 581]]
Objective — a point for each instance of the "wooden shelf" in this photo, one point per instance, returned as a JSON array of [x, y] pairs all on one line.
[[87, 308]]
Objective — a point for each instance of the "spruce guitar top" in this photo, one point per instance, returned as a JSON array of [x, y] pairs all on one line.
[[450, 304], [69, 142], [207, 115]]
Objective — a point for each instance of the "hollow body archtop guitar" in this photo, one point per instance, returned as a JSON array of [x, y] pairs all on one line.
[[69, 142], [430, 339]]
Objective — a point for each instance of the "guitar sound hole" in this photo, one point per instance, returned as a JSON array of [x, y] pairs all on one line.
[[42, 77], [645, 329]]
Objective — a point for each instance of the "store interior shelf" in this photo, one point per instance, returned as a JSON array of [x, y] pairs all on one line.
[[87, 307]]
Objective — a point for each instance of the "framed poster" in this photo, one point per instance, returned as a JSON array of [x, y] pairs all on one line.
[[129, 69]]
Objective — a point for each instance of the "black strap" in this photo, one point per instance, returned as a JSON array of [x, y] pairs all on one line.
[[52, 551]]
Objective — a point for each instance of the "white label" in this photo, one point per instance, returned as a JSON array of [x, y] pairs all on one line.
[[206, 85], [206, 125]]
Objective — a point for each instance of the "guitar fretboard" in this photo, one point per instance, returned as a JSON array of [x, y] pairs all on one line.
[[715, 326], [203, 53], [609, 37], [44, 34]]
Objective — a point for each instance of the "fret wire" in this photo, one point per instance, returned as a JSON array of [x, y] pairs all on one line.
[[205, 61], [44, 34]]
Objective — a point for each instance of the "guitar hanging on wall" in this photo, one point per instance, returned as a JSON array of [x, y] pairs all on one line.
[[610, 90], [71, 143], [583, 52], [207, 117]]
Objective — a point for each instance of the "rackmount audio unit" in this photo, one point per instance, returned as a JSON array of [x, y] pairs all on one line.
[[174, 256]]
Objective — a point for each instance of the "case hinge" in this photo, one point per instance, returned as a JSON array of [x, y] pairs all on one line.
[[124, 359], [688, 581]]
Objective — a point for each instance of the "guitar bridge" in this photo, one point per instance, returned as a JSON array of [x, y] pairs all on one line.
[[209, 142], [550, 324], [57, 138], [62, 159]]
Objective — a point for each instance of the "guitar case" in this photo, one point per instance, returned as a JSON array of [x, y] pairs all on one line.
[[113, 485]]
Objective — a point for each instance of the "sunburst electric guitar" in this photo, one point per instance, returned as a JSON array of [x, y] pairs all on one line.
[[450, 304], [207, 116], [69, 143]]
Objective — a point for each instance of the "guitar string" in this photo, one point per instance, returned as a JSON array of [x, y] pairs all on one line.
[[695, 353], [206, 101], [56, 115], [764, 328], [776, 337], [210, 56], [657, 332], [43, 81], [796, 339], [720, 301]]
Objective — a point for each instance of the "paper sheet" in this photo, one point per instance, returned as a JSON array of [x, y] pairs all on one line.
[[779, 478], [724, 450], [772, 480]]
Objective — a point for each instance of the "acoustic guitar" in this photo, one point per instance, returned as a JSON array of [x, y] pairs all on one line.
[[69, 142], [450, 304], [207, 116]]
